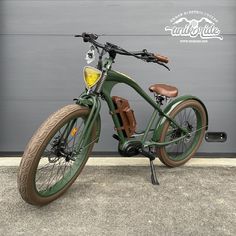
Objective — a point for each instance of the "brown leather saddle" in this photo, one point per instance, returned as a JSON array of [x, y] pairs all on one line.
[[164, 89]]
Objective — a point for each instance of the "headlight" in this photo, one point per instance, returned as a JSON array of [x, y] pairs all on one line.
[[91, 76]]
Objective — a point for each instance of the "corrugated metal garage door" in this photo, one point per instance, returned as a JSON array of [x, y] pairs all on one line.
[[41, 63]]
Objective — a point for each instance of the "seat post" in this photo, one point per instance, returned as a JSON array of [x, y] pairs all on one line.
[[160, 98]]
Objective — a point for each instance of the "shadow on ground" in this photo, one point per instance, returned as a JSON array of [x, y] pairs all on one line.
[[122, 201]]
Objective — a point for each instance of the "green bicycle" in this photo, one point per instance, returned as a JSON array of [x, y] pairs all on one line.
[[59, 149]]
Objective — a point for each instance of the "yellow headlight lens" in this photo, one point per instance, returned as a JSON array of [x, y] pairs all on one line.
[[91, 76]]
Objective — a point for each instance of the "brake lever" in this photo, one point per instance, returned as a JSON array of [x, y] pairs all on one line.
[[154, 60], [163, 65], [87, 37], [149, 58]]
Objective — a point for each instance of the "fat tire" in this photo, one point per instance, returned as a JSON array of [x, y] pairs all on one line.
[[31, 156], [161, 153]]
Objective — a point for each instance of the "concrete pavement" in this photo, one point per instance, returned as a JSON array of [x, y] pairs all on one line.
[[120, 200], [134, 161]]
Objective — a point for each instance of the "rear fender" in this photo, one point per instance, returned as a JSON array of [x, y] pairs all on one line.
[[169, 108]]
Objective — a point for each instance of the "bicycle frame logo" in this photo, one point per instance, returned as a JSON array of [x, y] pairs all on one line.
[[197, 25]]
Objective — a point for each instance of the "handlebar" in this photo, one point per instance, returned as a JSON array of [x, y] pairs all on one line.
[[114, 49]]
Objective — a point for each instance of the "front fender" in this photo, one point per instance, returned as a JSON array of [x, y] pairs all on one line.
[[93, 102], [169, 108]]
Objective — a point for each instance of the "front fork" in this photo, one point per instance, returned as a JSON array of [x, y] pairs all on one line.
[[92, 101]]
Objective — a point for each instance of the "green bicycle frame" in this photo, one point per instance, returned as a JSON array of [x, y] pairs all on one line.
[[113, 78]]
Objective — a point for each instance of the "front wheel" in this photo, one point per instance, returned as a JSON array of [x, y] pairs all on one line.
[[52, 159], [191, 116]]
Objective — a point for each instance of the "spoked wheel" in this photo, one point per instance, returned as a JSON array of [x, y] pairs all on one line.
[[191, 116], [52, 160]]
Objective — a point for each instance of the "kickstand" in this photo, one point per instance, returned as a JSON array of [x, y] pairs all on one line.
[[153, 173]]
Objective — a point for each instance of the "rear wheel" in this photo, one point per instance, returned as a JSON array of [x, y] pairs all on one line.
[[189, 115], [52, 159]]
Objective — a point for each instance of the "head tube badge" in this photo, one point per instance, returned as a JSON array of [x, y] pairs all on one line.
[[90, 55]]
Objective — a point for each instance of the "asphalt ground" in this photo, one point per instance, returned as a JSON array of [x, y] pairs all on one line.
[[120, 200]]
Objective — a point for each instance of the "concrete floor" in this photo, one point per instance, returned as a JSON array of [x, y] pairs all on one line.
[[120, 200]]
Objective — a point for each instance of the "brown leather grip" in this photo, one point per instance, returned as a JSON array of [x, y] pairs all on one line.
[[161, 58]]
